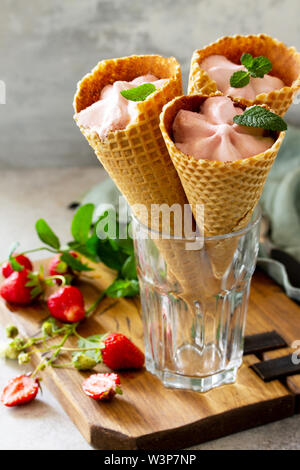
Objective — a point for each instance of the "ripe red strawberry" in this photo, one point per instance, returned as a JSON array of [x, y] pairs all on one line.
[[67, 304], [21, 287], [57, 267], [20, 390], [7, 269], [102, 386], [119, 352]]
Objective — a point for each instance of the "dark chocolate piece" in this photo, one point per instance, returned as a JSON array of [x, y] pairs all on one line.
[[263, 342], [278, 368]]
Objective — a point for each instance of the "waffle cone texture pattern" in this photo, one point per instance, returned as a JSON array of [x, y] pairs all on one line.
[[229, 191], [285, 62], [137, 159]]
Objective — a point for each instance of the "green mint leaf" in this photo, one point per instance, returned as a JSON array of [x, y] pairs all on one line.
[[46, 235], [261, 65], [239, 79], [140, 93], [129, 268], [82, 222], [257, 116], [247, 60], [256, 67], [74, 263], [123, 288]]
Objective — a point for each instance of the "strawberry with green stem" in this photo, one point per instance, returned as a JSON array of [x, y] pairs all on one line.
[[22, 260], [116, 254], [115, 350], [21, 287], [58, 267]]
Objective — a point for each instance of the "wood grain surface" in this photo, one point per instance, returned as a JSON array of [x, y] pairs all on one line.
[[148, 415]]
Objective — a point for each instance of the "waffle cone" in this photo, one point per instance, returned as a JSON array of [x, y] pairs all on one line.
[[136, 157], [285, 61], [229, 191]]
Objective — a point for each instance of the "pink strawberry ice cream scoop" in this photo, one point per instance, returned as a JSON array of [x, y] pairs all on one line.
[[220, 69], [113, 111], [211, 134]]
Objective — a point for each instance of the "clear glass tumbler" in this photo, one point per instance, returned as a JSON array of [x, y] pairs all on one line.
[[194, 304]]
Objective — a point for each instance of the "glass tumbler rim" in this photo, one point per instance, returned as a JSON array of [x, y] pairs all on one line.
[[255, 220]]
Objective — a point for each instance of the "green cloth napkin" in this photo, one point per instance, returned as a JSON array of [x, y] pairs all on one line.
[[280, 202]]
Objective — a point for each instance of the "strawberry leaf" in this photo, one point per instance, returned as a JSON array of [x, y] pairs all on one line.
[[46, 235], [74, 263], [129, 268], [82, 222], [123, 288], [90, 342]]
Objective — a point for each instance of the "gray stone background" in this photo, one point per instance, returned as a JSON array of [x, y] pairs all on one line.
[[46, 46]]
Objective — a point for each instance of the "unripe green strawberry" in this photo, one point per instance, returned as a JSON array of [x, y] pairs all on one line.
[[83, 362], [14, 348], [11, 331]]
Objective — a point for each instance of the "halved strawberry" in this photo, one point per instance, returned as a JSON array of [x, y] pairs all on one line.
[[102, 386], [20, 390]]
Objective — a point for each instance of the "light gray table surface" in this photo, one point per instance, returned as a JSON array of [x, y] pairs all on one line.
[[25, 196]]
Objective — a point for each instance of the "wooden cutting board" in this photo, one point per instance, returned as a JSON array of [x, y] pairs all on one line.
[[148, 415]]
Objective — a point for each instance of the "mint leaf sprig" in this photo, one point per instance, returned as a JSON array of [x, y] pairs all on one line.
[[256, 67], [258, 116], [139, 93]]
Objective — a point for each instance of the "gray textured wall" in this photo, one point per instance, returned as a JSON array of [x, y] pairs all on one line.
[[47, 45]]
